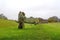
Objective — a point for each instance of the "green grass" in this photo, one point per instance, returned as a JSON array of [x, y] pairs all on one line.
[[53, 29], [9, 31]]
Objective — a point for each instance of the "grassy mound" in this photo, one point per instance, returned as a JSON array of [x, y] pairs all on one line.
[[7, 23]]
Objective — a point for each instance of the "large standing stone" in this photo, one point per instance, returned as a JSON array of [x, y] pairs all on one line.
[[21, 17]]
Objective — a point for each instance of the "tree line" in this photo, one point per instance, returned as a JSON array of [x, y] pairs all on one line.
[[41, 20], [35, 20]]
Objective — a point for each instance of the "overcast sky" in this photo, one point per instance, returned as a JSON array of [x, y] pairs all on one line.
[[35, 8]]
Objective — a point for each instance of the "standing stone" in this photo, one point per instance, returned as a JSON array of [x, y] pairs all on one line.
[[21, 18]]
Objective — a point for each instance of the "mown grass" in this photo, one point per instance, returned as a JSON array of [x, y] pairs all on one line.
[[9, 31]]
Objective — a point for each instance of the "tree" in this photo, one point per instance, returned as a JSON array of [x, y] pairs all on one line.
[[21, 18], [36, 21], [2, 16], [40, 20], [53, 19]]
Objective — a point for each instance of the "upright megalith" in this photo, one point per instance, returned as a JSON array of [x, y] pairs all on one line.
[[21, 18]]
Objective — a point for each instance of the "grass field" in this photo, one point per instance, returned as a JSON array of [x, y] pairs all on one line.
[[9, 31]]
